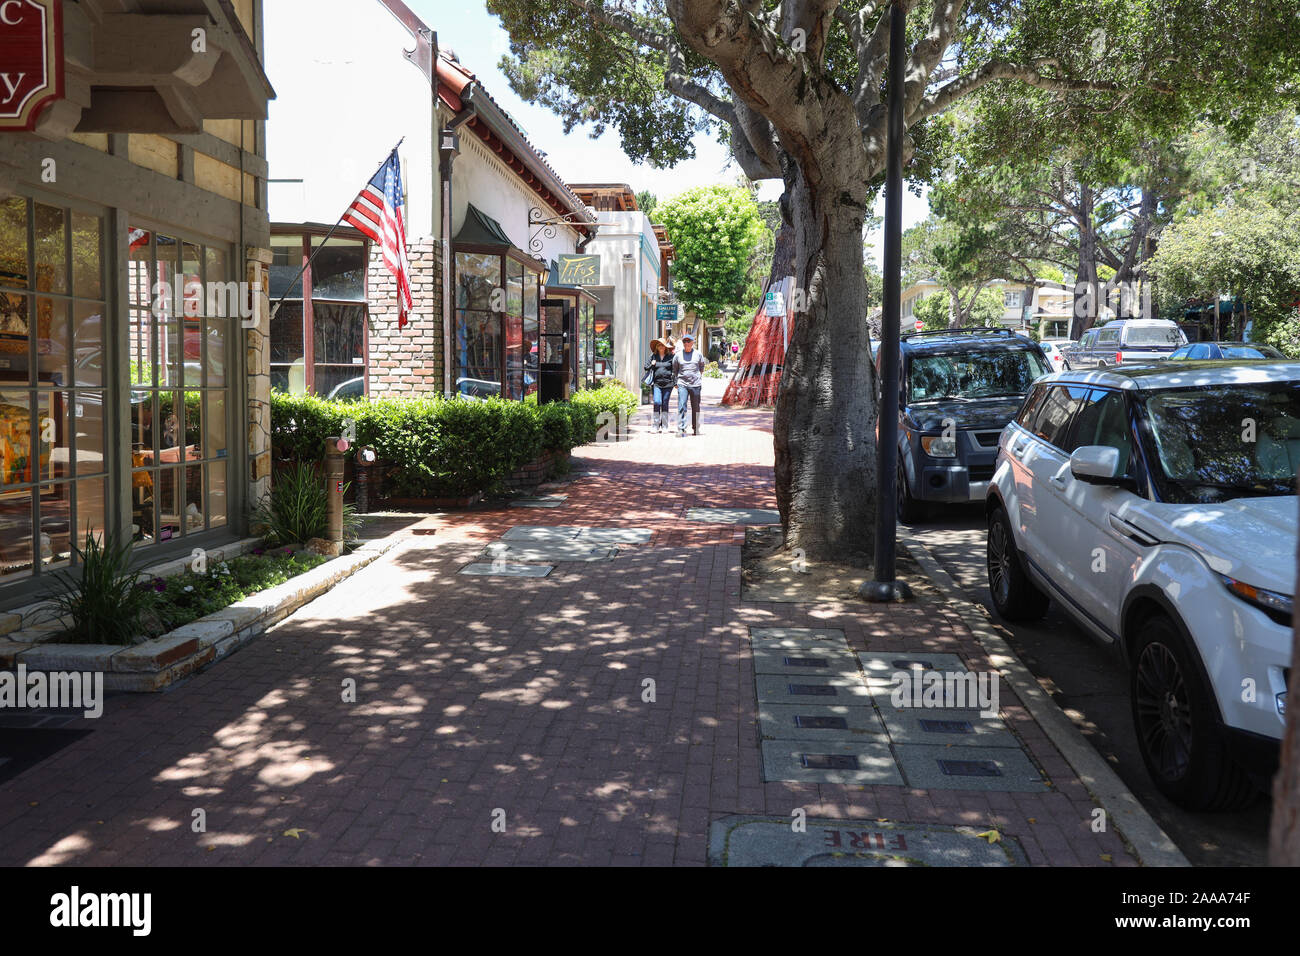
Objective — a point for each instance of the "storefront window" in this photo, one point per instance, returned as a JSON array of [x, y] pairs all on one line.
[[532, 296], [53, 410], [179, 329], [318, 341], [603, 345]]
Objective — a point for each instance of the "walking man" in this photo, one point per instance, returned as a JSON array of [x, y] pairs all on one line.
[[688, 364]]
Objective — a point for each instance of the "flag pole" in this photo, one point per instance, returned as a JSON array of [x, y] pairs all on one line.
[[333, 229]]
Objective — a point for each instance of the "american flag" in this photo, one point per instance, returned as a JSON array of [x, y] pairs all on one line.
[[377, 212]]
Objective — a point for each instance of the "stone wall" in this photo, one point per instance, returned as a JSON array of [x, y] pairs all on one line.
[[258, 372], [408, 361]]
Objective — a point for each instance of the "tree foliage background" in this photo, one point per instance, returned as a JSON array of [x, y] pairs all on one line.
[[714, 231]]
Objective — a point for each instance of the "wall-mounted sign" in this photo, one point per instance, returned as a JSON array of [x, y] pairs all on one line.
[[774, 303], [579, 270], [31, 60], [668, 312]]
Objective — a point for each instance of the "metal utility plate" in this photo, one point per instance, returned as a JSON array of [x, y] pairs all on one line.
[[771, 841]]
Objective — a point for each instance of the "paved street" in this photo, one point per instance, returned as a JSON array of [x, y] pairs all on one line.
[[502, 720], [1090, 684]]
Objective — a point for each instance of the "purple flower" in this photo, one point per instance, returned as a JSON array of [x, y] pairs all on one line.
[[159, 584], [259, 551]]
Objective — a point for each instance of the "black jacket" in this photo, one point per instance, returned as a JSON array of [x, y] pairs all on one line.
[[662, 369]]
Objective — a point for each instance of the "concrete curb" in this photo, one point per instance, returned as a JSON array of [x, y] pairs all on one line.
[[159, 663], [1150, 843]]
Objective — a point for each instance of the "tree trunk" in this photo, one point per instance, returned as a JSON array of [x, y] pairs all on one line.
[[955, 312], [825, 423], [1284, 832], [1086, 293]]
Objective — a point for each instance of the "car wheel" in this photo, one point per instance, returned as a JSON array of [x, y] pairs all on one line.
[[909, 510], [1015, 597], [1177, 727]]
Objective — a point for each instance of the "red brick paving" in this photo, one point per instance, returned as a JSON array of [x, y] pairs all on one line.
[[475, 695]]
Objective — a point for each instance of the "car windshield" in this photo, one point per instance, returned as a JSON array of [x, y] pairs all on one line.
[[973, 374], [1214, 443], [1249, 351], [1139, 335]]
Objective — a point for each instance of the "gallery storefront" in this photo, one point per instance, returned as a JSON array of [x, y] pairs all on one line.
[[131, 237]]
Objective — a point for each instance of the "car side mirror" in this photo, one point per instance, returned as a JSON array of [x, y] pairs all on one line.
[[1096, 464]]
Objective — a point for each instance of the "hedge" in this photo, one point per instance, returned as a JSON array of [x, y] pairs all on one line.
[[443, 447]]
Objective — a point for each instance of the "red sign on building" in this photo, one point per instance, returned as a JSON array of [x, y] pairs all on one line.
[[31, 60]]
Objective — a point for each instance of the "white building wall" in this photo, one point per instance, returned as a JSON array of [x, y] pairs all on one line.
[[479, 177], [344, 97], [635, 282]]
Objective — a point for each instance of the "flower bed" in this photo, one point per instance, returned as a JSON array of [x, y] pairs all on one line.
[[190, 595]]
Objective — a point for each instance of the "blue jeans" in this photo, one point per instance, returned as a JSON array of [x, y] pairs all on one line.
[[691, 392], [661, 395]]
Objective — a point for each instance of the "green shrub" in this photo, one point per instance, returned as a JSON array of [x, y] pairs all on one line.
[[104, 604], [557, 421], [297, 509], [445, 447]]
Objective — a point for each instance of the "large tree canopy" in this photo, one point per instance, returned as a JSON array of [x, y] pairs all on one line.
[[714, 231], [798, 90]]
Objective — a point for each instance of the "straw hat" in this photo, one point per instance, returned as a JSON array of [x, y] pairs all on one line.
[[666, 345]]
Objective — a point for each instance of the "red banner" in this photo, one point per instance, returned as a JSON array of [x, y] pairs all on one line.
[[31, 60]]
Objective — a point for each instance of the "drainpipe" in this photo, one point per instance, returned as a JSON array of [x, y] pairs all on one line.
[[448, 149]]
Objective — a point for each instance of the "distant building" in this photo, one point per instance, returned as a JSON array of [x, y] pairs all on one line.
[[1046, 306], [634, 266]]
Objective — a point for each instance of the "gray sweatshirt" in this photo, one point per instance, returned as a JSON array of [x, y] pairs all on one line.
[[689, 368]]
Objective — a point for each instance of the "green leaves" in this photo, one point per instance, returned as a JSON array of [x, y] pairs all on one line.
[[101, 600], [714, 229], [433, 446]]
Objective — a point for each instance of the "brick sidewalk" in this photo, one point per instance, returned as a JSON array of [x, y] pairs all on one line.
[[481, 694]]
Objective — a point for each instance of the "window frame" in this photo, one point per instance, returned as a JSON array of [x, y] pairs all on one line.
[[309, 300]]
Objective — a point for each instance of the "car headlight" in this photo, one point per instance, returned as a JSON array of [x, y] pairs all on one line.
[[939, 446], [1279, 607]]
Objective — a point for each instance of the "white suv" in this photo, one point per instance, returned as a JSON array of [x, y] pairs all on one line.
[[1156, 504]]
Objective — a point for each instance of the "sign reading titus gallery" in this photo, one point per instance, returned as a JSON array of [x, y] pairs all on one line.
[[31, 60], [579, 270]]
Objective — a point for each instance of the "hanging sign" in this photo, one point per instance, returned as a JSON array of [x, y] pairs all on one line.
[[31, 60], [579, 270], [668, 312]]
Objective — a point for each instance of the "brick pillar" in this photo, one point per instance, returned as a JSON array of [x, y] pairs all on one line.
[[406, 361]]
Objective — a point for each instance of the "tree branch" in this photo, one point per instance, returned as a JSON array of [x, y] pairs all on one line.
[[941, 99]]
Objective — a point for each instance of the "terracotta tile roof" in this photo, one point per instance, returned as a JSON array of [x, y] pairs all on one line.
[[453, 82]]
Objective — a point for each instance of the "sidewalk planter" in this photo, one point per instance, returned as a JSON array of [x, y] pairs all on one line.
[[156, 664], [546, 465], [449, 449]]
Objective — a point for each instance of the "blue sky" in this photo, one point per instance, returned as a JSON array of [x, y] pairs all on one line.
[[479, 42]]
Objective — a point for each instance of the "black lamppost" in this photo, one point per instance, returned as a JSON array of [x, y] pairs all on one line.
[[884, 587]]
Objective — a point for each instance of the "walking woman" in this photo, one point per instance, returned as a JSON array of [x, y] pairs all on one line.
[[688, 368], [662, 377]]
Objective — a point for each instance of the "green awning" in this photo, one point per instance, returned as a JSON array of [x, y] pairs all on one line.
[[480, 229]]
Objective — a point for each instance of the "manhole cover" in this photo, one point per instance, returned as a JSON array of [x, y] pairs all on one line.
[[769, 841]]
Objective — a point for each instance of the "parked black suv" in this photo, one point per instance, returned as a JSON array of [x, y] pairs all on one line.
[[958, 388]]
